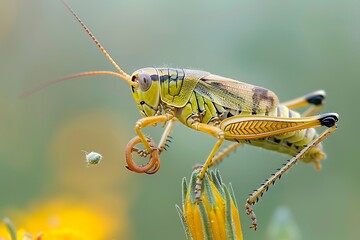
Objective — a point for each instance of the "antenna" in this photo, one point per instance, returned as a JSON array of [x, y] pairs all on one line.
[[120, 74], [123, 75], [77, 75]]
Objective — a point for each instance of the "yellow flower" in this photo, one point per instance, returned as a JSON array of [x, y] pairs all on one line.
[[54, 234], [8, 231], [60, 234], [216, 216], [61, 220]]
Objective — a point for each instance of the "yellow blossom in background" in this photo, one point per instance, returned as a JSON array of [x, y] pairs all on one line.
[[216, 216], [8, 231], [62, 220], [60, 234]]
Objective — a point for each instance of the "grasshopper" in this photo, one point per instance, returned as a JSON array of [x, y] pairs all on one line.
[[223, 108]]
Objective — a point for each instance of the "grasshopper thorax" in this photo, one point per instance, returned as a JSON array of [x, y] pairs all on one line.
[[147, 94]]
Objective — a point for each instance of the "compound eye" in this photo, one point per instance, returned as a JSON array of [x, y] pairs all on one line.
[[144, 81]]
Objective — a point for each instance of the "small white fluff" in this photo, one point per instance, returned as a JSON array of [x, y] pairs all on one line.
[[92, 158]]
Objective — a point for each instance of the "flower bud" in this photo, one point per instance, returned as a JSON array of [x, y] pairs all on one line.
[[216, 215]]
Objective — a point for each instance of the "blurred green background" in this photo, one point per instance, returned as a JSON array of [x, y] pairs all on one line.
[[290, 47]]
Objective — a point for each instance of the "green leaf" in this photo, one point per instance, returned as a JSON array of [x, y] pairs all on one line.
[[208, 191], [11, 228], [184, 191], [230, 231], [185, 225], [205, 222], [231, 191]]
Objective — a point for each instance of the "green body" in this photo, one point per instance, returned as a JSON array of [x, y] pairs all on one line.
[[197, 96]]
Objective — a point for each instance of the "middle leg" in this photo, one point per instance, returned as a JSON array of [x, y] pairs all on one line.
[[220, 156], [220, 135]]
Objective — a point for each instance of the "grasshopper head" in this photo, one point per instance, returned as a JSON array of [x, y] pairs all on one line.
[[147, 91]]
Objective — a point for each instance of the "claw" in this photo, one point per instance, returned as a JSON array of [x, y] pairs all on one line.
[[250, 212], [152, 166], [197, 166], [155, 169]]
